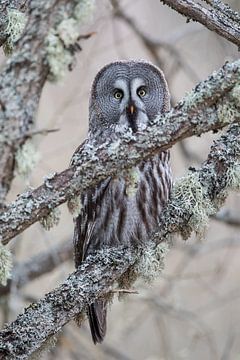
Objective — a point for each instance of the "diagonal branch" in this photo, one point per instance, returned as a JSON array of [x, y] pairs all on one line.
[[97, 274], [216, 19], [210, 106]]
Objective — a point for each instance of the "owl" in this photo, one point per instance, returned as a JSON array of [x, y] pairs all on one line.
[[125, 96]]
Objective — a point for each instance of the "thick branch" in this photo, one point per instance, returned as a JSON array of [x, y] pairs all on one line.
[[215, 19], [50, 314], [219, 173], [96, 276], [210, 106], [22, 80]]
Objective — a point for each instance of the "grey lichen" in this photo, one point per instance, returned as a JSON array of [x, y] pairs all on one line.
[[233, 177], [26, 159], [151, 261], [236, 93], [190, 196], [227, 113], [60, 40], [84, 10], [16, 21], [52, 219], [57, 56], [68, 31], [75, 206], [5, 264]]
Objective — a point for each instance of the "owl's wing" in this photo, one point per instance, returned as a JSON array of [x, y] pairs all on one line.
[[84, 224], [86, 220]]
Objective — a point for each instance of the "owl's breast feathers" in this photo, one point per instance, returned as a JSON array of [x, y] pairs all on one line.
[[123, 210]]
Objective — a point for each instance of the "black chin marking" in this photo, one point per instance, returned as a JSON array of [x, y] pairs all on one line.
[[132, 117], [132, 125]]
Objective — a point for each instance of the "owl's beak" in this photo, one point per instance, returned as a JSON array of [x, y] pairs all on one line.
[[131, 109]]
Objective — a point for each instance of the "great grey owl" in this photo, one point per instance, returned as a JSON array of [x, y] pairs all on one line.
[[125, 96]]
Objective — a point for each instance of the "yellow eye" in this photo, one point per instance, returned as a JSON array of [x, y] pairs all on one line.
[[118, 94], [141, 92]]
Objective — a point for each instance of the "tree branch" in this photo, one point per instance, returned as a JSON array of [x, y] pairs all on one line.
[[216, 19], [22, 80], [210, 106], [97, 274], [50, 314]]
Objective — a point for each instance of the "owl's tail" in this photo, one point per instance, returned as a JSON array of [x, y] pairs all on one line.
[[97, 314]]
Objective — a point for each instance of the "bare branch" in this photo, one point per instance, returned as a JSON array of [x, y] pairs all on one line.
[[216, 19], [211, 106]]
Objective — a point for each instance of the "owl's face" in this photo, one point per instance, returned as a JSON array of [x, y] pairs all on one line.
[[127, 95]]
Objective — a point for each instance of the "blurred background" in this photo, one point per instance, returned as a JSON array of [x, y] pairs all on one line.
[[192, 311]]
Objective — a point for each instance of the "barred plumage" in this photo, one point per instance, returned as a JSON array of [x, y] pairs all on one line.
[[123, 211]]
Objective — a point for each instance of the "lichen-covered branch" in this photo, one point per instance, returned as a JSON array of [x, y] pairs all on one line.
[[23, 76], [49, 315], [216, 17], [202, 192], [95, 277], [213, 104]]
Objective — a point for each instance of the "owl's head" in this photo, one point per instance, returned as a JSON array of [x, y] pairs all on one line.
[[127, 95]]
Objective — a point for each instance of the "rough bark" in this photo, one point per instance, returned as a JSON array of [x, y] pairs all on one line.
[[98, 273], [48, 316], [218, 18], [22, 80], [210, 106]]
